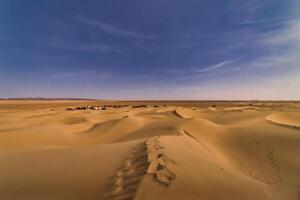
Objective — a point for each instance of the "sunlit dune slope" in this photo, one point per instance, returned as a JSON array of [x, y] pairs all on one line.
[[165, 150]]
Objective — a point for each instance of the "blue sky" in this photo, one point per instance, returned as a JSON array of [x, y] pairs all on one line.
[[138, 49]]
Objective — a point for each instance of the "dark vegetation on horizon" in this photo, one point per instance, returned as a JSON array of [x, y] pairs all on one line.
[[44, 99]]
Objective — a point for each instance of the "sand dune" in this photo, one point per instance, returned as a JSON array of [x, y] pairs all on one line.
[[289, 119], [187, 112], [167, 150]]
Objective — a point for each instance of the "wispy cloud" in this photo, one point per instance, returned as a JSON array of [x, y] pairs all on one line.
[[271, 21], [289, 34], [256, 5], [214, 67], [114, 30], [81, 75], [92, 48], [284, 45], [276, 69]]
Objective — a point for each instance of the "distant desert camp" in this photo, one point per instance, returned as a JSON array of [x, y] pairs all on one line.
[[149, 100], [69, 149]]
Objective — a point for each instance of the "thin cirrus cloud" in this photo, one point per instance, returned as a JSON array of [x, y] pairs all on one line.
[[287, 39], [114, 30], [268, 21], [288, 35], [276, 70], [82, 75], [86, 47], [198, 70], [214, 67], [223, 51], [257, 5]]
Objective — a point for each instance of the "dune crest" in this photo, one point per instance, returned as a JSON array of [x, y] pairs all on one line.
[[187, 113], [160, 150], [288, 119], [159, 162]]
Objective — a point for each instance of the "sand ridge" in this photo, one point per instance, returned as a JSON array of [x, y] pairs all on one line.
[[289, 119], [149, 150]]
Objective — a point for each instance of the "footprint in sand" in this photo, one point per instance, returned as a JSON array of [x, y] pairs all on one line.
[[125, 183], [146, 158]]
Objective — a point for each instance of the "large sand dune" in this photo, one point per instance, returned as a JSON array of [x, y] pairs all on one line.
[[166, 150]]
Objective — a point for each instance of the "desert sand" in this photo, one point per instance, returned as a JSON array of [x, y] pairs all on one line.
[[165, 150]]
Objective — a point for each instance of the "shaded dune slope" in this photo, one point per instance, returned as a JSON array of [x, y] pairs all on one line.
[[233, 152]]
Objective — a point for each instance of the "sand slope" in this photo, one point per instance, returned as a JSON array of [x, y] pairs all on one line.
[[289, 119], [234, 151]]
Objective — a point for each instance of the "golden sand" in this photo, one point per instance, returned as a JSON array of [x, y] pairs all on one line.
[[166, 150]]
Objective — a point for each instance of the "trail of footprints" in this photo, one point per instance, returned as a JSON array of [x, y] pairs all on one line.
[[125, 183], [276, 176], [266, 167], [159, 163], [146, 158]]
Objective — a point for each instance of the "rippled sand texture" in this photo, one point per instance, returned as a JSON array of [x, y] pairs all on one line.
[[167, 150]]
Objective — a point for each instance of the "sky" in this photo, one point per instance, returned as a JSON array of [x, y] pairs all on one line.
[[141, 49]]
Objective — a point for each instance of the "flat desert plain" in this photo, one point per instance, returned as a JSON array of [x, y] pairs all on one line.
[[159, 150]]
